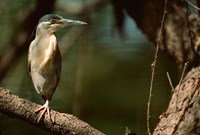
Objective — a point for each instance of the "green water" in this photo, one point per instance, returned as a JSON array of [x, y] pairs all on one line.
[[115, 78]]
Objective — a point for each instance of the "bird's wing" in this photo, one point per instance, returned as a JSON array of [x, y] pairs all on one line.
[[29, 58], [29, 67], [58, 63], [30, 54]]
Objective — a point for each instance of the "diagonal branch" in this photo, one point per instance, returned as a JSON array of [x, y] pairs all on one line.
[[61, 124], [182, 115], [19, 41]]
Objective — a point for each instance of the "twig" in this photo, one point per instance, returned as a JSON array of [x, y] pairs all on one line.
[[170, 82], [154, 67], [180, 82], [192, 5], [185, 104], [129, 132]]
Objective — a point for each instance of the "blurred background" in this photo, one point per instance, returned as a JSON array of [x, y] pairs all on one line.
[[106, 72]]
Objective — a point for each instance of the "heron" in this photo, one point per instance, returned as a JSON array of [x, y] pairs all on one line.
[[44, 57]]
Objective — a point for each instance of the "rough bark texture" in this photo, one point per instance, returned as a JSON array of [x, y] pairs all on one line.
[[61, 123], [181, 36], [182, 116], [181, 41]]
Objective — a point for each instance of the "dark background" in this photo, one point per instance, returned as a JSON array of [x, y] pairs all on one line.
[[105, 76]]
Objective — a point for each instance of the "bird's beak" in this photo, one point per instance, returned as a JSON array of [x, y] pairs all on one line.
[[72, 22]]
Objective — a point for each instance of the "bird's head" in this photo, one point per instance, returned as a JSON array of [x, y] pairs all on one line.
[[52, 23]]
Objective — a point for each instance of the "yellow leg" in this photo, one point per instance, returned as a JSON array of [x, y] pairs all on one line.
[[45, 108]]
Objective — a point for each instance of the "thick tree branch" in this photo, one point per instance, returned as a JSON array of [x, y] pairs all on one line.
[[61, 123], [181, 41], [182, 116]]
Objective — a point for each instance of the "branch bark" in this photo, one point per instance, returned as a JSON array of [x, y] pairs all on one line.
[[61, 123], [181, 41], [182, 115]]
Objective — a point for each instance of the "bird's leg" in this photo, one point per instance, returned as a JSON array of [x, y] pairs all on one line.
[[45, 108]]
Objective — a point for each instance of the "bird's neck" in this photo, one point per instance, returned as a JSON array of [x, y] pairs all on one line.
[[42, 33], [45, 40]]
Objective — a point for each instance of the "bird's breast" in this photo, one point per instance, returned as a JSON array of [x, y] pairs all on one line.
[[42, 52], [49, 52]]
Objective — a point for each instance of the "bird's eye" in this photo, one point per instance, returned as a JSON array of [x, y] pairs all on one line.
[[52, 21]]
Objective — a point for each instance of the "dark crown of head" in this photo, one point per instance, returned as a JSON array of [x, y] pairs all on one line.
[[49, 17]]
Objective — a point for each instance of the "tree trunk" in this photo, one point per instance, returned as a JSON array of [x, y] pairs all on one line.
[[182, 115], [181, 41]]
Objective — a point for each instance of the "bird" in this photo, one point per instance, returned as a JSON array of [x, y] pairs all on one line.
[[44, 57]]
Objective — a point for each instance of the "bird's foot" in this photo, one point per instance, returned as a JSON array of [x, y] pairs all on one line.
[[45, 108]]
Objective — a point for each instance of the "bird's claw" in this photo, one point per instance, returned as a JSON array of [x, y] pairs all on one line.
[[45, 108]]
